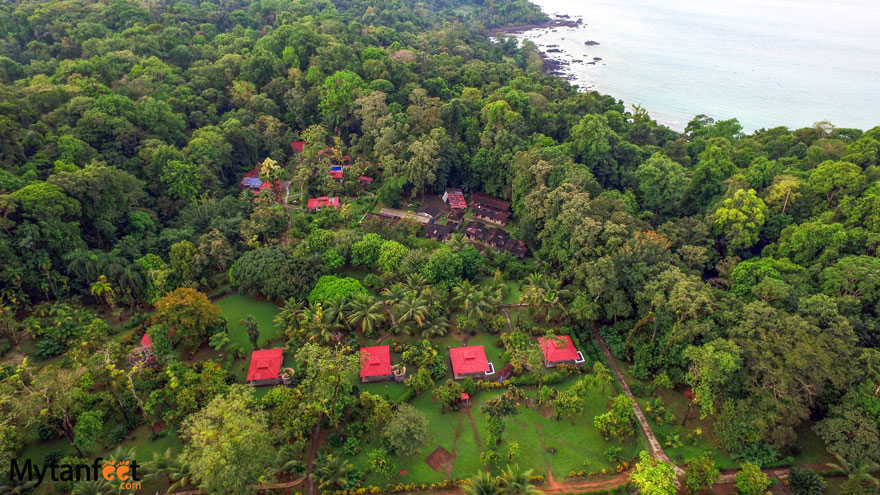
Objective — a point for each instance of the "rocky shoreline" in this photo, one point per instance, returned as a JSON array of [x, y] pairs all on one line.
[[552, 66]]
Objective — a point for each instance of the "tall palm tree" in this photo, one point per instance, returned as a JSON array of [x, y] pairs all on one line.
[[482, 483], [471, 299], [395, 293], [333, 471], [516, 482], [365, 312], [413, 310], [82, 264], [436, 325], [181, 476], [131, 281], [290, 316], [417, 283], [334, 314], [553, 296]]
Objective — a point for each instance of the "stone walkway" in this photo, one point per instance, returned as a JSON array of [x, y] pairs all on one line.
[[656, 449]]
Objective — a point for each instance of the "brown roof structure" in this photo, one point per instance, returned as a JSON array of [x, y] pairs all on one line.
[[475, 230], [437, 232], [487, 201], [496, 237], [431, 211], [516, 247], [491, 215]]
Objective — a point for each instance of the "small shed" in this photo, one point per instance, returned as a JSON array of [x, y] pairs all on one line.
[[455, 199], [471, 362], [559, 350], [366, 181], [265, 368], [376, 364]]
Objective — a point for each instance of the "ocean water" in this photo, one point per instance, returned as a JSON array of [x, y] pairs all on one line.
[[767, 63]]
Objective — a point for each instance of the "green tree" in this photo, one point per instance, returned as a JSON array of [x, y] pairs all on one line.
[[88, 428], [700, 473], [712, 365], [663, 183], [406, 431], [190, 314], [183, 180], [228, 444], [253, 330], [750, 480], [833, 178], [740, 218], [620, 421], [390, 254], [653, 477]]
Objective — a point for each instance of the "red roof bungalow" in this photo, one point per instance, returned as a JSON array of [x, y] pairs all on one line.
[[559, 350], [315, 204], [470, 362], [265, 368], [455, 198], [376, 364], [297, 146], [147, 342], [336, 174]]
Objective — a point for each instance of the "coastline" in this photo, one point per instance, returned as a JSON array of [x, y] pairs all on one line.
[[551, 66]]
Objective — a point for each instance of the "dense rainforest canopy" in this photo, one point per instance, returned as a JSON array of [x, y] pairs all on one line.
[[743, 267]]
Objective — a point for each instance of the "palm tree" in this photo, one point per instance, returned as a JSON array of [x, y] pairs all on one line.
[[516, 482], [436, 325], [13, 486], [553, 295], [103, 291], [98, 486], [857, 473], [395, 293], [456, 243], [181, 476], [82, 264], [482, 483], [413, 310], [131, 280], [365, 312], [415, 282], [471, 299], [162, 465], [334, 314], [333, 472], [122, 454], [291, 315]]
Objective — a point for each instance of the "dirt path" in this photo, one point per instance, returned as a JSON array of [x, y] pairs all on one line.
[[467, 412], [507, 315], [656, 449]]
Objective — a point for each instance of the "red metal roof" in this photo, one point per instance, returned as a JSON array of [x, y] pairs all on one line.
[[323, 201], [455, 198], [375, 361], [336, 174], [554, 353], [364, 178], [265, 364], [297, 146], [468, 360], [146, 341], [465, 396]]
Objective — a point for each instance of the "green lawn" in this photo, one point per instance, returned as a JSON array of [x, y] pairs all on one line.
[[544, 442], [237, 307]]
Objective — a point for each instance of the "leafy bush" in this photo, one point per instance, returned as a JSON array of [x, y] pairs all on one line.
[[803, 481]]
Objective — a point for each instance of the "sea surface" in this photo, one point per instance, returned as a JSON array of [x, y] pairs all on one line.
[[767, 63]]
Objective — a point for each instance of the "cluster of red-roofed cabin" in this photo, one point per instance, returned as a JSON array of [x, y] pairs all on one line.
[[467, 362]]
